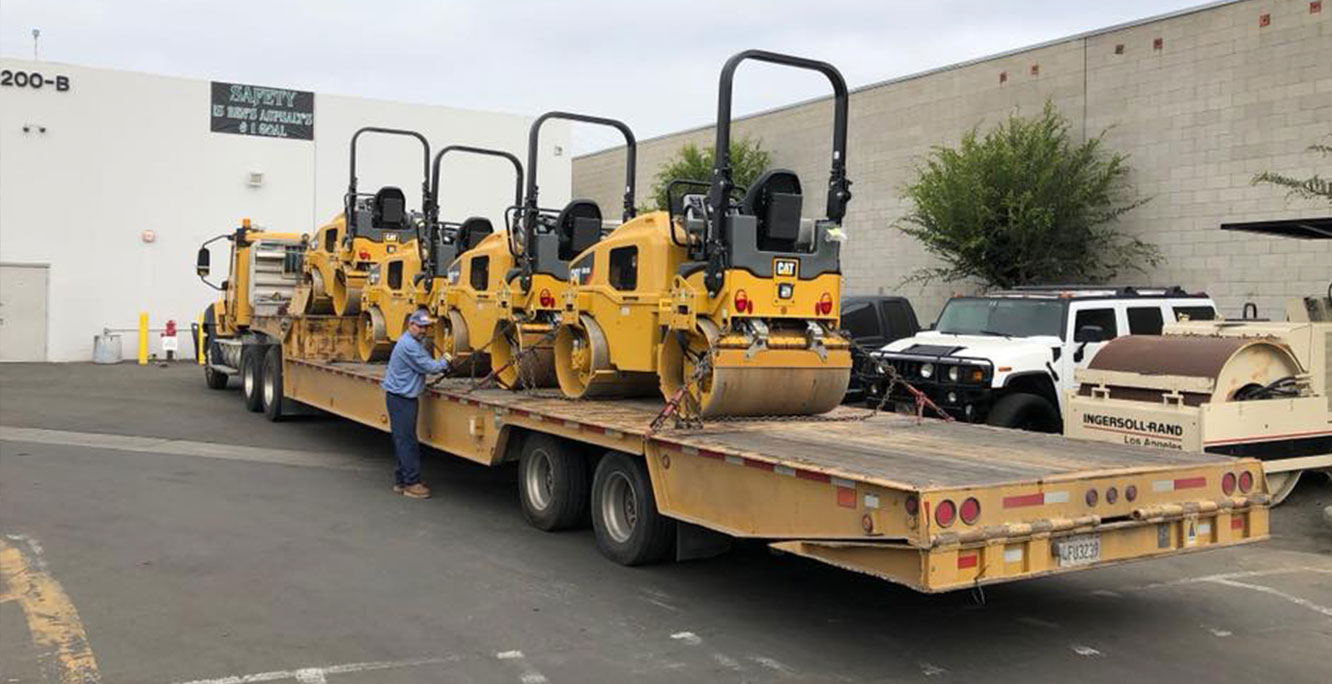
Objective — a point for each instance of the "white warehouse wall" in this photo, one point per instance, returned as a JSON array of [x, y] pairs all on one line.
[[126, 152]]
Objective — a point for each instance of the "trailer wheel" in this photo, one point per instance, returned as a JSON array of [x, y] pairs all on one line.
[[252, 371], [552, 483], [272, 376], [1025, 412], [216, 379], [628, 527]]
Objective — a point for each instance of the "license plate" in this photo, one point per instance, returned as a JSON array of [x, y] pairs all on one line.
[[1083, 549]]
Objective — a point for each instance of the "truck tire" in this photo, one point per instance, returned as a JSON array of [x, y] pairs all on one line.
[[216, 379], [1024, 411], [252, 377], [553, 483], [272, 394], [628, 527]]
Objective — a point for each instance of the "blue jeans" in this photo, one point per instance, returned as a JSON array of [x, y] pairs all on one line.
[[402, 422]]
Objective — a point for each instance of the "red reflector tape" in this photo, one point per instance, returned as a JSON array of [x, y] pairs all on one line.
[[846, 498], [711, 454], [750, 463], [1036, 499], [1237, 523], [1190, 482], [813, 476], [968, 561]]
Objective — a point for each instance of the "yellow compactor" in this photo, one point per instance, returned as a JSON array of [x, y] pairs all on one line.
[[731, 302], [466, 263], [531, 296], [382, 240], [1242, 387]]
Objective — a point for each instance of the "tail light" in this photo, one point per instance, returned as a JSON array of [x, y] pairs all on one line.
[[364, 255], [970, 511], [1111, 495], [912, 505], [1228, 484], [945, 513], [743, 304], [1131, 492], [1245, 481], [825, 305], [547, 299], [1092, 497]]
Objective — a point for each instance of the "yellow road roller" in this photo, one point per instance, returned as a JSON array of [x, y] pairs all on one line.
[[465, 265], [1245, 387], [727, 304], [543, 244], [343, 255]]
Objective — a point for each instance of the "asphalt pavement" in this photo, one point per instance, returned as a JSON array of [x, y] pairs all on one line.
[[152, 530]]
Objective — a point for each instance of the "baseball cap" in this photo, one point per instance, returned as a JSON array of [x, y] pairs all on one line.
[[421, 317]]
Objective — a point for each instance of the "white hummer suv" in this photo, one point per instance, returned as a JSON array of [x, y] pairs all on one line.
[[1006, 358]]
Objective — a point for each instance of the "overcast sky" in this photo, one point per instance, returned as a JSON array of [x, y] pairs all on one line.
[[652, 64]]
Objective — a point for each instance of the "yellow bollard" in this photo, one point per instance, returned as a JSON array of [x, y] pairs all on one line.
[[199, 343], [143, 338]]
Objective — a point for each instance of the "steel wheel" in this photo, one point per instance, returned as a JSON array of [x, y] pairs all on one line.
[[619, 508], [539, 479], [553, 482]]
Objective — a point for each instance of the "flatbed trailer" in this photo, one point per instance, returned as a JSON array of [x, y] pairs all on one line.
[[856, 491]]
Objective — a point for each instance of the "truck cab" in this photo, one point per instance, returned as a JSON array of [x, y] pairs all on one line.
[[1006, 358]]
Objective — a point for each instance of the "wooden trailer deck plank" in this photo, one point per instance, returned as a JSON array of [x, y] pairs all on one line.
[[889, 449]]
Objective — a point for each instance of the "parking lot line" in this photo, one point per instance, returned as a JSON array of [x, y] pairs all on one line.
[[182, 447], [53, 622], [1299, 601], [309, 675]]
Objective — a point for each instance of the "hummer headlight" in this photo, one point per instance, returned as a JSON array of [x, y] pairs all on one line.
[[926, 370]]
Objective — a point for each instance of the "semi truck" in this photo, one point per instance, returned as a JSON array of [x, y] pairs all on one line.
[[930, 504]]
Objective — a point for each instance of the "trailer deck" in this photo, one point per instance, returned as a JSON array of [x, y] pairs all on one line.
[[860, 492]]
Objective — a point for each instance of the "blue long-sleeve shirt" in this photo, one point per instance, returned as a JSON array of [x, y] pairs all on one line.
[[408, 366]]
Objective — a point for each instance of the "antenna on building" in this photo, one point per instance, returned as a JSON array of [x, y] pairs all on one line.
[[36, 33]]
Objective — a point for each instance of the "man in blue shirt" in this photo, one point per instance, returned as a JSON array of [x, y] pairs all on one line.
[[403, 382]]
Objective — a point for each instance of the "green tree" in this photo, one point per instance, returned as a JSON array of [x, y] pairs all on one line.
[[1312, 188], [1025, 204], [748, 160]]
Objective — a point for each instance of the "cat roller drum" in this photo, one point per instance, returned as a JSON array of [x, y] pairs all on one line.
[[317, 301], [784, 377], [372, 341], [451, 337], [1223, 368], [346, 298], [584, 369]]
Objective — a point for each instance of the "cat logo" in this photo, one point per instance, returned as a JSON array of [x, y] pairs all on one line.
[[786, 268]]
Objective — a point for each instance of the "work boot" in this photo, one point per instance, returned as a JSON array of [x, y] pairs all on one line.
[[415, 491]]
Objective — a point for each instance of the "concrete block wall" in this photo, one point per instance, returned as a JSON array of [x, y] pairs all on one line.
[[1219, 100]]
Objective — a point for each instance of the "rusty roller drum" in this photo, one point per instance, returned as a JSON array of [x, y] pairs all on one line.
[[518, 362], [785, 379], [583, 366], [1232, 363]]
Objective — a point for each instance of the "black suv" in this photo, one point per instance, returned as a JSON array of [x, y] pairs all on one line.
[[873, 321]]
